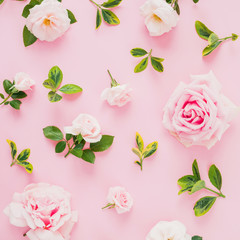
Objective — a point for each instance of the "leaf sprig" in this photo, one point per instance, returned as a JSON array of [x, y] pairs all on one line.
[[213, 40], [28, 37], [108, 16], [175, 5], [193, 183], [54, 81], [155, 61], [22, 158], [12, 93], [75, 144], [142, 152]]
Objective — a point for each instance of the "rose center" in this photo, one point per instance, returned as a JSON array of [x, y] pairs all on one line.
[[157, 18], [47, 22]]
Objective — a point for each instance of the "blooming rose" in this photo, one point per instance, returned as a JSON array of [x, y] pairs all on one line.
[[120, 199], [23, 81], [160, 17], [198, 113], [48, 21], [118, 95], [45, 209], [168, 230], [87, 126]]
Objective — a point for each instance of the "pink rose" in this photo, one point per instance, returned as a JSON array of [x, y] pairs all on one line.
[[118, 95], [119, 199], [48, 21], [45, 209], [87, 126], [23, 81], [198, 113]]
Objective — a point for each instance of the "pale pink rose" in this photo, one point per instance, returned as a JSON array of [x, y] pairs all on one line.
[[87, 126], [168, 230], [45, 209], [198, 113], [48, 21], [160, 17], [23, 81], [119, 199], [117, 96]]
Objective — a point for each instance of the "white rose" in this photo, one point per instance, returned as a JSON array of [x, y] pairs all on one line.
[[160, 17], [23, 81]]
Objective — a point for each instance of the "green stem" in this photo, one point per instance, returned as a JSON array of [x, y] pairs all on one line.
[[218, 193], [223, 39], [173, 3], [13, 162], [141, 162], [69, 148], [109, 205], [6, 99], [150, 53], [95, 3], [113, 81]]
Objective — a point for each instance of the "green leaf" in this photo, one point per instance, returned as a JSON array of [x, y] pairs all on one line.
[[109, 17], [6, 103], [196, 238], [137, 152], [176, 8], [54, 97], [70, 89], [28, 37], [24, 155], [80, 145], [150, 149], [53, 133], [105, 142], [111, 3], [195, 1], [27, 165], [213, 38], [138, 163], [198, 186], [186, 182], [77, 152], [71, 17], [88, 156], [169, 1], [19, 95], [195, 170], [32, 3], [203, 205], [202, 30], [60, 147], [56, 75], [79, 138], [1, 1], [156, 63], [13, 148], [215, 177], [207, 50], [98, 19], [15, 104], [68, 136], [139, 141], [234, 37], [138, 52], [50, 84], [2, 96], [7, 85], [141, 66]]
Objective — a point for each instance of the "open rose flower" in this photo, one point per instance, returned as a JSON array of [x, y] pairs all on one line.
[[23, 81], [168, 230], [119, 199], [160, 17], [87, 126], [45, 209], [198, 113], [48, 21]]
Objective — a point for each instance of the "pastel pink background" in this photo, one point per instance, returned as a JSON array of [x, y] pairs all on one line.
[[84, 55]]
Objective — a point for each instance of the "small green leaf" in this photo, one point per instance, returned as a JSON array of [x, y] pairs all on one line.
[[70, 89], [15, 104], [68, 136], [77, 152], [88, 156], [203, 205], [54, 97], [137, 152], [186, 182], [139, 141], [27, 165], [202, 30], [28, 37], [138, 52], [50, 84], [215, 177], [71, 17], [141, 66], [195, 170], [53, 133], [213, 38], [109, 17], [150, 149], [156, 63], [234, 37], [198, 186], [207, 50], [195, 1], [105, 142], [56, 75], [7, 85], [196, 238], [2, 96], [138, 163], [176, 8], [60, 147], [19, 95], [13, 148], [111, 3], [98, 19], [24, 155]]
